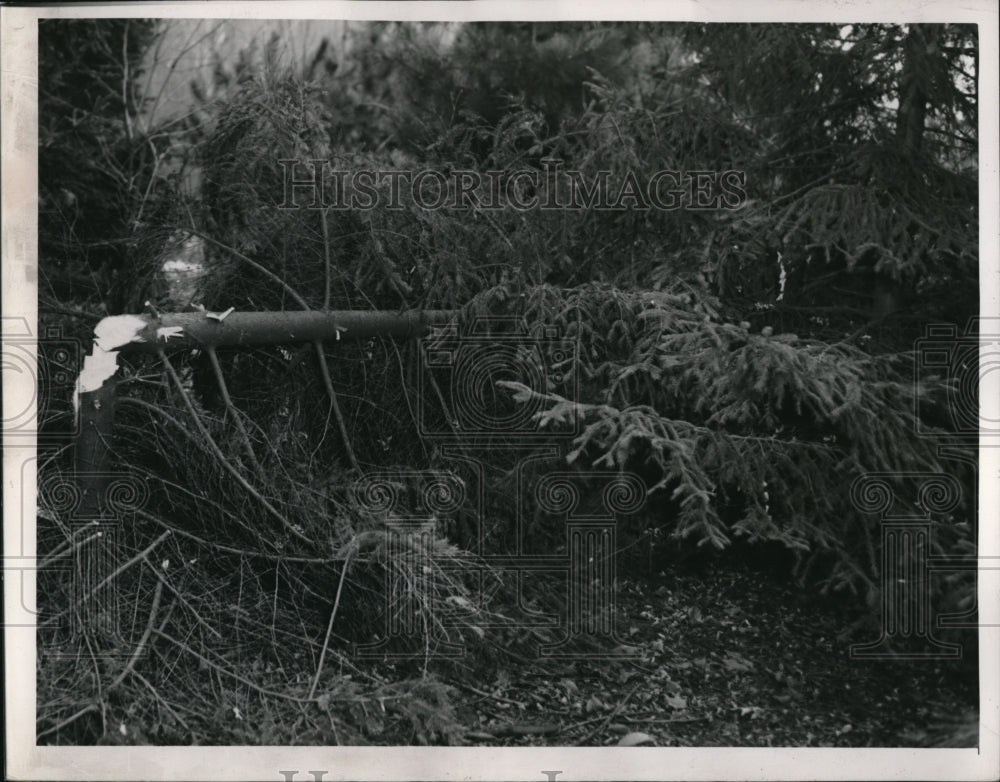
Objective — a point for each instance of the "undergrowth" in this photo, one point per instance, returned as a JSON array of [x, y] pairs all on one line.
[[291, 502]]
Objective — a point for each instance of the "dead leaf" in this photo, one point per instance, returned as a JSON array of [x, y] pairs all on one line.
[[635, 739], [677, 702], [734, 664], [569, 685], [625, 676]]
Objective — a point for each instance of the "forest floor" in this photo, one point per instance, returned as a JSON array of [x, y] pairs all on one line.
[[723, 657], [728, 659]]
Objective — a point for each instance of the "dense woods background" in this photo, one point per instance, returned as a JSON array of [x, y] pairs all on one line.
[[749, 364]]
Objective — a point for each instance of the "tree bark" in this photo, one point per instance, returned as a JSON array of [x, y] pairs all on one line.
[[916, 85], [920, 48], [251, 329]]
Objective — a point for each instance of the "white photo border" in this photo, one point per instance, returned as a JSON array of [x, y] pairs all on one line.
[[18, 49]]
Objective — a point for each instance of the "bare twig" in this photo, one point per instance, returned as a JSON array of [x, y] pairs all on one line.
[[220, 380], [66, 722], [664, 721], [217, 452], [97, 673], [125, 80], [161, 701], [181, 51], [150, 183], [250, 262], [215, 666], [305, 305], [402, 290], [141, 646], [230, 549], [335, 406], [611, 716], [117, 572], [519, 729], [158, 411], [68, 549], [329, 627], [491, 696], [326, 259], [164, 582]]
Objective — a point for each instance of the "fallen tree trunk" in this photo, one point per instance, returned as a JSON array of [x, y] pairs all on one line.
[[148, 333], [253, 329]]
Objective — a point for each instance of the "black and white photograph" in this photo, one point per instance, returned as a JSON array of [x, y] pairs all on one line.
[[470, 391]]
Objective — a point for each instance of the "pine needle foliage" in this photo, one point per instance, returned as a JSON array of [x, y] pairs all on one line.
[[750, 436]]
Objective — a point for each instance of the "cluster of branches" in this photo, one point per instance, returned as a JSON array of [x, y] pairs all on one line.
[[688, 371]]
